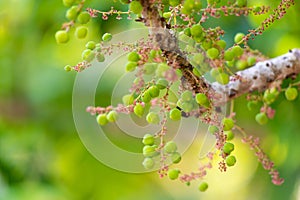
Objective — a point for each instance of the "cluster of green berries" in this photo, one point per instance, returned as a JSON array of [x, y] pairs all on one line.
[[228, 147], [105, 118], [133, 58], [187, 102], [149, 151], [74, 14]]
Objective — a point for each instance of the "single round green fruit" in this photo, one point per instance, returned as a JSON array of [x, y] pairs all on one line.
[[81, 32], [228, 124], [237, 51], [90, 45], [230, 161], [152, 118], [149, 68], [68, 68], [187, 31], [133, 56], [228, 55], [146, 98], [149, 151], [72, 13], [221, 44], [176, 157], [187, 106], [83, 17], [229, 135], [170, 147], [175, 114], [241, 3], [88, 55], [148, 163], [202, 99], [251, 61], [239, 37], [112, 116], [167, 15], [241, 64], [107, 37], [139, 110], [127, 99], [130, 66], [262, 118], [68, 3], [213, 53], [173, 174], [214, 72], [228, 148], [102, 120], [148, 139], [136, 7], [196, 30], [100, 57], [291, 93], [61, 37], [153, 91], [203, 187]]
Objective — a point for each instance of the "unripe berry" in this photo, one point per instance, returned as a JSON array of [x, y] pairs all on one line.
[[148, 163], [83, 17], [139, 110], [61, 37], [107, 37], [230, 161], [173, 174], [130, 66], [262, 118], [112, 116], [241, 3], [176, 157], [241, 64], [68, 3], [187, 106], [213, 53], [149, 151], [170, 147], [221, 44], [90, 45], [202, 99], [152, 118], [228, 148], [68, 68], [102, 120], [228, 55], [228, 124], [251, 60], [81, 32], [146, 98], [196, 30], [153, 91], [148, 139], [133, 56], [214, 72], [175, 114], [229, 135], [237, 51], [213, 129], [88, 55], [203, 187], [100, 57], [127, 99], [149, 68], [72, 12], [187, 31], [136, 7], [238, 37], [291, 93]]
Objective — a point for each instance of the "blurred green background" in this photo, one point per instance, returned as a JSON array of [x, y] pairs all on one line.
[[41, 155]]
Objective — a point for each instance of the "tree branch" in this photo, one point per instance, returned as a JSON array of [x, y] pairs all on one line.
[[261, 76]]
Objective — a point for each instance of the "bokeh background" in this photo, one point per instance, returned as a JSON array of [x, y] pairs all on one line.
[[41, 155]]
